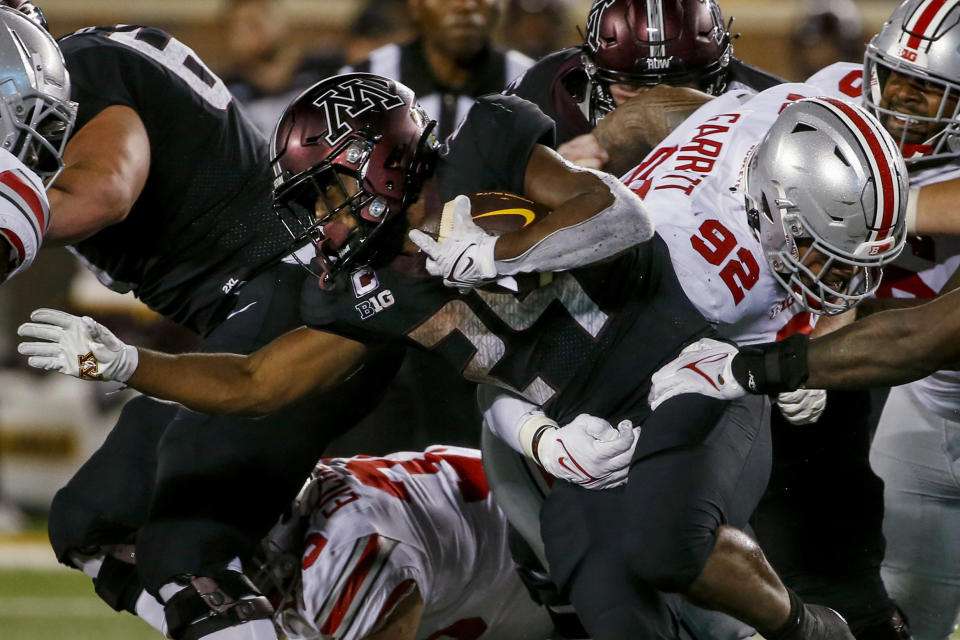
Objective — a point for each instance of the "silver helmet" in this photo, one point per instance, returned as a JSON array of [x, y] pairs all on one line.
[[36, 114], [827, 176], [28, 9], [920, 40]]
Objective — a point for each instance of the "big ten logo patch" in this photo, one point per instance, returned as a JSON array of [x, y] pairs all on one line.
[[365, 282], [375, 304]]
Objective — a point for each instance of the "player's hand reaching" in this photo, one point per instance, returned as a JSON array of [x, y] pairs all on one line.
[[588, 452], [78, 347], [802, 406], [584, 150], [463, 253], [703, 367]]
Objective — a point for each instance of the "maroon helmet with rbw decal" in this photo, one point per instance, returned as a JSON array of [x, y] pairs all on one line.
[[348, 155], [650, 42]]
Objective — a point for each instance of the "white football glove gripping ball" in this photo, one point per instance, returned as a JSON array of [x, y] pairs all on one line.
[[803, 406], [588, 452], [703, 367], [75, 346], [463, 254]]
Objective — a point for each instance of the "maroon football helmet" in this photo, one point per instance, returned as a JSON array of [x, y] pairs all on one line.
[[348, 155], [650, 42]]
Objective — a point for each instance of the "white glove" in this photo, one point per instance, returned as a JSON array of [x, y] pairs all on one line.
[[703, 367], [588, 452], [78, 347], [802, 406], [463, 255]]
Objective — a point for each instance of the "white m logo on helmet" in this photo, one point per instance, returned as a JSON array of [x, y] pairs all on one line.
[[593, 23], [349, 99]]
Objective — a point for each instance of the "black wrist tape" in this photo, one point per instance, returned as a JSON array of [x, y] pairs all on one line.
[[773, 367], [535, 441]]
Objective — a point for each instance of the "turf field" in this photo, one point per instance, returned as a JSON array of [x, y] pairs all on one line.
[[41, 601], [44, 604]]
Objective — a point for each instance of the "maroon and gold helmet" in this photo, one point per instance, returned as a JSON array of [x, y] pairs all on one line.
[[650, 42], [356, 144]]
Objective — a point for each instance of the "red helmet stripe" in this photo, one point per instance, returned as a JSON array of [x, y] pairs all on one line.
[[882, 168], [917, 26]]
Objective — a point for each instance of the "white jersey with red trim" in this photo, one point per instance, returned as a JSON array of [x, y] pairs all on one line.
[[927, 262], [691, 184], [379, 526], [24, 210]]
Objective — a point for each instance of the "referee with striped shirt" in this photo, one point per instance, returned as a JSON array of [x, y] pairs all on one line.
[[451, 61]]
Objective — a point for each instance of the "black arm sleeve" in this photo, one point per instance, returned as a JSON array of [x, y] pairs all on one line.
[[773, 367]]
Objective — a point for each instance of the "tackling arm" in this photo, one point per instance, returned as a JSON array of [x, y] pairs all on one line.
[[642, 122], [106, 166], [889, 348], [588, 451]]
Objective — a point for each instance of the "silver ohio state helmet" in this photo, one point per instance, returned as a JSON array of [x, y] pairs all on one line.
[[827, 176], [36, 114], [920, 40]]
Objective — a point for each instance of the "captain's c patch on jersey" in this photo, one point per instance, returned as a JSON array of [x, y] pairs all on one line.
[[364, 281]]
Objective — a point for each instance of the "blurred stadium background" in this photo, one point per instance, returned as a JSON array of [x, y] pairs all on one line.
[[49, 424]]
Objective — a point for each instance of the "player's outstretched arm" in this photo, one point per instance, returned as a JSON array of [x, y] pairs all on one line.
[[889, 348], [257, 384], [886, 349], [106, 166]]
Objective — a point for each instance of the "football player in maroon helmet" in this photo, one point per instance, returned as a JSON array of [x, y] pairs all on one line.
[[629, 47], [608, 311]]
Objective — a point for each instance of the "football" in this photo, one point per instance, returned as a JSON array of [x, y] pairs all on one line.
[[497, 212]]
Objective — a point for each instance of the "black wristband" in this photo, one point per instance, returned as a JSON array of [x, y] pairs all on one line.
[[773, 367], [535, 441]]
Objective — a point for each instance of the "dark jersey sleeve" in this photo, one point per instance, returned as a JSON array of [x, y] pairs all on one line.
[[557, 84], [491, 148], [111, 71], [202, 225]]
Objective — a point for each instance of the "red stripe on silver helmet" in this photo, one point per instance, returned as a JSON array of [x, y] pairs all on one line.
[[925, 20], [880, 155]]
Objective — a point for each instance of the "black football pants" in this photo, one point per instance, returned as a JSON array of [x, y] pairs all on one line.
[[699, 463], [194, 491], [820, 520]]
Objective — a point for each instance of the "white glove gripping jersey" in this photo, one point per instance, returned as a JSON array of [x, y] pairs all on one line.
[[926, 263], [379, 526], [24, 210], [691, 185]]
